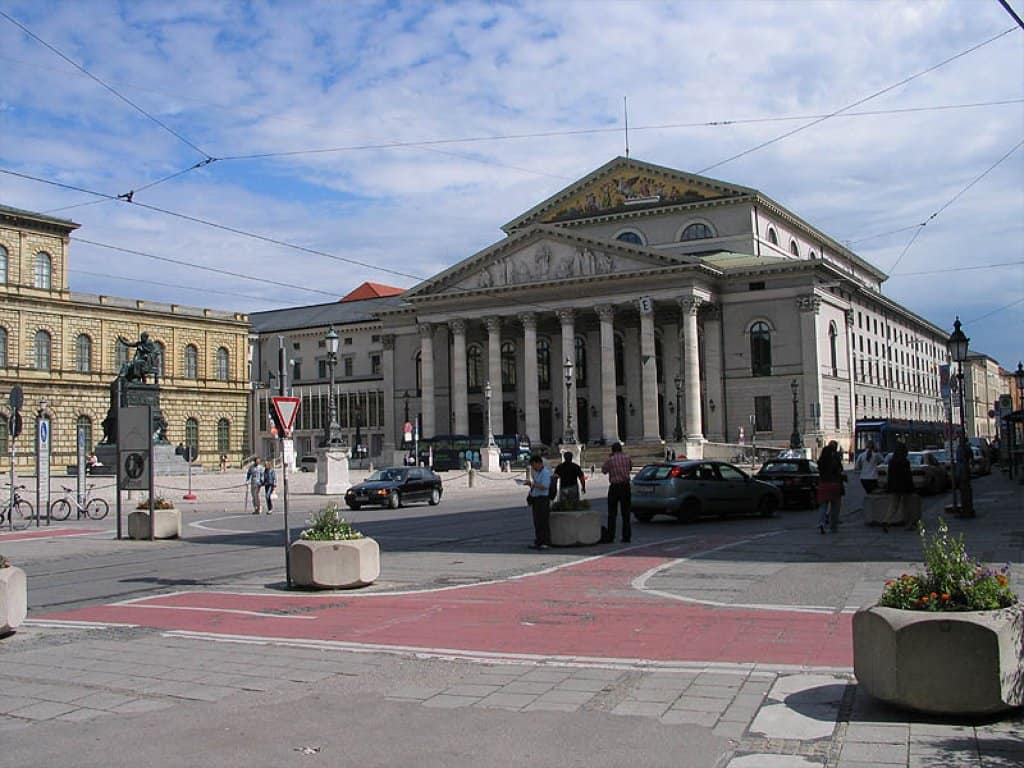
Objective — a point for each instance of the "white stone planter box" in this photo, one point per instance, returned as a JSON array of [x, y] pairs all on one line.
[[168, 524], [570, 528], [335, 564], [13, 598], [944, 663]]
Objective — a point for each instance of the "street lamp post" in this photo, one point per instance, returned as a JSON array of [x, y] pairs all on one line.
[[957, 346], [795, 441], [569, 438], [679, 411], [487, 398], [1018, 376], [332, 435]]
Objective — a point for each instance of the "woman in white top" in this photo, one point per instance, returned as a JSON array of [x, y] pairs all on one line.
[[867, 466]]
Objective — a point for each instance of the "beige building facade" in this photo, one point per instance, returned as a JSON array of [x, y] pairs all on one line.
[[61, 347]]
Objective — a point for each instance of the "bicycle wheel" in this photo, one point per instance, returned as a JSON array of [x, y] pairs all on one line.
[[21, 515], [97, 509], [60, 509]]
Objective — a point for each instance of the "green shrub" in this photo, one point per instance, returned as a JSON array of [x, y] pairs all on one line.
[[329, 525], [570, 505], [158, 503], [4, 562]]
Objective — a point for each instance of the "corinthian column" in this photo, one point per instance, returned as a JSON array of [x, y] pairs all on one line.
[[494, 373], [609, 414], [690, 305], [566, 318], [531, 388], [648, 370], [427, 378], [460, 392]]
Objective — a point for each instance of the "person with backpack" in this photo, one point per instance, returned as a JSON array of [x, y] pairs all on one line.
[[269, 483]]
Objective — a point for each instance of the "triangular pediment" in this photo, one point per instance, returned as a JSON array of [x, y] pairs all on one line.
[[624, 185], [542, 255]]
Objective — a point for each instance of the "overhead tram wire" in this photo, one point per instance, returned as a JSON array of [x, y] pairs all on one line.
[[874, 95], [996, 311], [112, 90], [958, 269], [953, 199], [134, 279]]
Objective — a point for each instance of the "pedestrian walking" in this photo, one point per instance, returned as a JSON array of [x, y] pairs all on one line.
[[571, 479], [867, 466], [539, 500], [904, 503], [223, 463], [254, 477], [830, 487], [269, 483], [618, 468]]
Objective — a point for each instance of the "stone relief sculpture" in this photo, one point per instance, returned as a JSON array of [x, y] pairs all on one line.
[[542, 264]]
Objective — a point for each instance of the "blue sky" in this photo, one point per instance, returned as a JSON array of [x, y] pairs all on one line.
[[249, 78]]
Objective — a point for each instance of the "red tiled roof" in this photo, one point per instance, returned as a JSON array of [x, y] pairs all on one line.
[[372, 291]]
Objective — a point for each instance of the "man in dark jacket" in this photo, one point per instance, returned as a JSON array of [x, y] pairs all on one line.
[[905, 505], [570, 478]]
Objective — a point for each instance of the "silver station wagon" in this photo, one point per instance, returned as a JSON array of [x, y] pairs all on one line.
[[691, 489]]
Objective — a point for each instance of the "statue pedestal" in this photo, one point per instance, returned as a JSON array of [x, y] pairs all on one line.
[[694, 447], [490, 459], [574, 448], [331, 471]]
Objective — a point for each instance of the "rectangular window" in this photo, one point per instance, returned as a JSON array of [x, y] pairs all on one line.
[[375, 365], [295, 345], [375, 338], [860, 318], [763, 413], [348, 341], [348, 366], [758, 286], [835, 408], [296, 370], [321, 369]]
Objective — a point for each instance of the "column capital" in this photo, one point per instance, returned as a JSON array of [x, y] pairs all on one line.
[[810, 303], [387, 340], [457, 326], [529, 320], [605, 312], [689, 304], [493, 324], [645, 304], [426, 330], [849, 318], [566, 316], [711, 312]]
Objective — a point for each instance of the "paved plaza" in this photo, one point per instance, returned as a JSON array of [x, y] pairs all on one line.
[[724, 643]]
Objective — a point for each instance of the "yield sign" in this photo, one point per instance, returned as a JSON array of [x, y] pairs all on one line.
[[285, 408]]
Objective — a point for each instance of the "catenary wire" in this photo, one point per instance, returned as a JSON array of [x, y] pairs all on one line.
[[203, 289], [995, 311], [959, 269], [93, 77]]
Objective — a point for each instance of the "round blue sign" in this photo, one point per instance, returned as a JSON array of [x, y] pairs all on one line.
[[44, 431]]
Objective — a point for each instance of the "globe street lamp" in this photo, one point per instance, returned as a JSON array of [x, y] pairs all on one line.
[[569, 438], [332, 434], [795, 441], [957, 346], [678, 435], [487, 398]]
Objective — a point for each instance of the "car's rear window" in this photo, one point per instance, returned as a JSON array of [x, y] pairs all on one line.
[[781, 467], [659, 472]]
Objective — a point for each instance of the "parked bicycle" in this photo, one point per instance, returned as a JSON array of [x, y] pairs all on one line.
[[93, 508], [16, 511]]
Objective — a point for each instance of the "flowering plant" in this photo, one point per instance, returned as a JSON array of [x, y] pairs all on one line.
[[4, 562], [329, 525], [951, 581], [158, 503]]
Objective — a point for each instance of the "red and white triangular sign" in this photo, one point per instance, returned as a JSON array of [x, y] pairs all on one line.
[[286, 409]]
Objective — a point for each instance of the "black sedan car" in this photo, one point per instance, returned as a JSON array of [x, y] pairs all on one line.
[[797, 479], [394, 486]]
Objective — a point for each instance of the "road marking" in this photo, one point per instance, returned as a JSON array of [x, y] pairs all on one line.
[[200, 524], [39, 535], [71, 624], [225, 610]]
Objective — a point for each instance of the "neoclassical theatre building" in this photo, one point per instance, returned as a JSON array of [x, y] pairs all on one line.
[[681, 302]]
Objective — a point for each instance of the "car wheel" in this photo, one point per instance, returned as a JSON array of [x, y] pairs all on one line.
[[643, 517], [354, 505], [435, 497], [395, 500], [767, 506], [689, 511]]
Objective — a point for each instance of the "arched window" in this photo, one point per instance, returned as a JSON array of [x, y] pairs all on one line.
[[697, 231], [191, 362], [474, 368], [543, 364], [3, 265], [760, 349], [812, 255], [83, 353], [42, 351], [223, 436], [620, 361], [161, 352], [832, 334], [581, 362], [794, 248], [4, 447], [631, 237], [43, 272], [192, 435], [222, 364], [772, 237], [508, 365], [3, 347], [83, 427]]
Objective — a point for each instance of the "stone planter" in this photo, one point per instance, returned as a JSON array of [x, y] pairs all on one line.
[[943, 663], [335, 564], [571, 528], [168, 524], [13, 598]]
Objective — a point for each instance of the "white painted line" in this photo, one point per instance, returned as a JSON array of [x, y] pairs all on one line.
[[70, 624], [201, 524], [264, 614], [490, 657]]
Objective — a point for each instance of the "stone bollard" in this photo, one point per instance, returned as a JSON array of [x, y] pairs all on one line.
[[506, 466], [471, 472]]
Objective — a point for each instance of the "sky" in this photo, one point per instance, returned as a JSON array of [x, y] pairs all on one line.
[[448, 119]]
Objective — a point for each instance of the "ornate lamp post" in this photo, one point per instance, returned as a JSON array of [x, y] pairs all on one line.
[[332, 434], [487, 399], [957, 346], [795, 441], [678, 434], [570, 436]]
